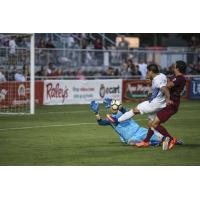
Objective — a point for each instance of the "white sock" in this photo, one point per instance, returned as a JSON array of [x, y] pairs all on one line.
[[157, 133], [126, 115]]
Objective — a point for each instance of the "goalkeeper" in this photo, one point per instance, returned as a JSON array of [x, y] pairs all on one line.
[[129, 131]]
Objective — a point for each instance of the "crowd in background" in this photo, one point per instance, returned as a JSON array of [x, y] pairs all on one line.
[[55, 67]]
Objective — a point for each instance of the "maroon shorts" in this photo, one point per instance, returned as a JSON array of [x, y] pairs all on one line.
[[166, 113]]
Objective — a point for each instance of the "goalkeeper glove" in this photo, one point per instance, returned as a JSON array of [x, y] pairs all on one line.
[[107, 102], [94, 106]]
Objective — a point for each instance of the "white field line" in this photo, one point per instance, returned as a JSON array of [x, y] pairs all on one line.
[[62, 125], [45, 126], [54, 125]]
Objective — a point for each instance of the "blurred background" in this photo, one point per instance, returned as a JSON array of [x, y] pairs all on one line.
[[97, 55]]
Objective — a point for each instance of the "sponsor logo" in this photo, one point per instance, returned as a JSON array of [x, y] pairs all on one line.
[[141, 89], [108, 90], [56, 92], [137, 90], [3, 94], [21, 90], [196, 88], [20, 102]]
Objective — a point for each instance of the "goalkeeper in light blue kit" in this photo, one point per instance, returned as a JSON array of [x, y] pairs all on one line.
[[129, 131]]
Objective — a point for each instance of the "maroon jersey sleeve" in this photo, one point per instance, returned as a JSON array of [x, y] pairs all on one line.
[[179, 84]]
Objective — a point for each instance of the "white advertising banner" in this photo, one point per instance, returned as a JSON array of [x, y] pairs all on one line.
[[60, 92]]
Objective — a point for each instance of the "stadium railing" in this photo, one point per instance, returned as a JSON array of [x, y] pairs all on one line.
[[76, 58]]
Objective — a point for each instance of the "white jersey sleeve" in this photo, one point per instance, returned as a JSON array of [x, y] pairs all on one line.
[[160, 81]]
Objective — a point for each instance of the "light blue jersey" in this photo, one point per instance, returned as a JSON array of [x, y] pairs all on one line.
[[130, 131]]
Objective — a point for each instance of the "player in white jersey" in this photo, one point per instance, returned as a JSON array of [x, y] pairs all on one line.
[[159, 98], [129, 131]]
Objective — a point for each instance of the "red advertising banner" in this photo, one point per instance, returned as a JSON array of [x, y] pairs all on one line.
[[134, 90], [14, 94]]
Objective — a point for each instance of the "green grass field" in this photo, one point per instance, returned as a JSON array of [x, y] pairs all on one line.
[[69, 135]]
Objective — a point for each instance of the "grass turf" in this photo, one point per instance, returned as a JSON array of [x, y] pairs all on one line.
[[68, 135]]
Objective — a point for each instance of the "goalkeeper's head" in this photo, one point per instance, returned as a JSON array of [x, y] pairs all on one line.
[[114, 111]]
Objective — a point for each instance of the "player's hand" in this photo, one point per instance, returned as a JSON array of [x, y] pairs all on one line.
[[169, 102], [107, 102], [94, 106]]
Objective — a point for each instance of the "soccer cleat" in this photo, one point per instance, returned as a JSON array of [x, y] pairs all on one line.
[[165, 144], [112, 119], [142, 144], [179, 142], [172, 143]]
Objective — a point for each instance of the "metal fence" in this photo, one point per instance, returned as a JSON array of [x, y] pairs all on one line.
[[75, 58]]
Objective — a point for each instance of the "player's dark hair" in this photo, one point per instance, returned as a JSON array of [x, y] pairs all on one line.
[[181, 66], [153, 67]]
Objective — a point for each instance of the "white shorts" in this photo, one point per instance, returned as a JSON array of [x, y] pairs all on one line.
[[150, 108]]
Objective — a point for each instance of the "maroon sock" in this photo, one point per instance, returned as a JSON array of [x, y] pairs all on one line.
[[149, 135], [163, 131]]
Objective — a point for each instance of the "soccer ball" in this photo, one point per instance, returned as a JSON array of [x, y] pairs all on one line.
[[116, 105]]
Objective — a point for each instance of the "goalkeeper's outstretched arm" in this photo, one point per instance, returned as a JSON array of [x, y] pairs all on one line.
[[102, 122]]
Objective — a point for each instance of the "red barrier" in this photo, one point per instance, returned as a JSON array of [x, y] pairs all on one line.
[[14, 94], [134, 90]]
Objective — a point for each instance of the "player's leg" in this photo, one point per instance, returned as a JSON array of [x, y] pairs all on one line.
[[145, 107], [150, 132], [139, 136], [142, 108], [163, 116], [129, 114]]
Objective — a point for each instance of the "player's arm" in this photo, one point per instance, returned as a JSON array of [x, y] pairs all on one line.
[[170, 84], [165, 91], [94, 106], [102, 122], [162, 84], [177, 81]]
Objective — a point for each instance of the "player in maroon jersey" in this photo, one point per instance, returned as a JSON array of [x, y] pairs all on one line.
[[176, 85]]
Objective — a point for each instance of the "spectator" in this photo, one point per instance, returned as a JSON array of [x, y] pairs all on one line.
[[98, 44], [198, 68], [70, 41], [80, 75], [190, 69], [26, 71], [41, 72], [84, 45], [12, 51], [110, 71], [42, 43], [50, 44], [2, 76], [50, 70], [19, 76], [125, 71], [123, 45], [98, 54], [132, 68], [143, 69]]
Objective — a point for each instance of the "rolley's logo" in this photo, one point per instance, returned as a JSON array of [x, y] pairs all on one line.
[[56, 92], [108, 90]]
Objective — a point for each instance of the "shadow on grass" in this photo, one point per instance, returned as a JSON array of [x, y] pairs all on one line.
[[190, 145]]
